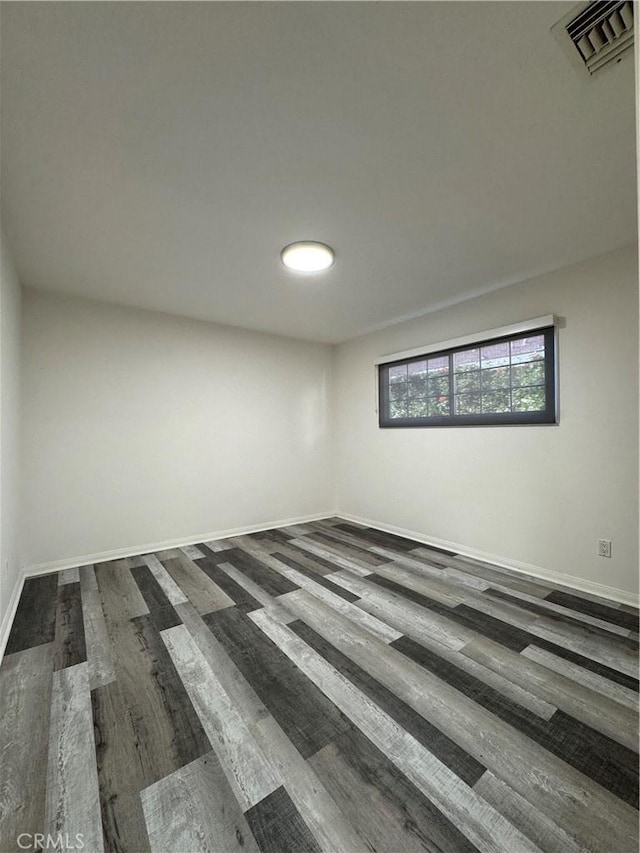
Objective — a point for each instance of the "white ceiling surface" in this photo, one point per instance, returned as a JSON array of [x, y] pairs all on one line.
[[161, 154]]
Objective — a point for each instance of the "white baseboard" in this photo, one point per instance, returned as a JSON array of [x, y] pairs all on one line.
[[7, 619], [135, 550], [569, 581]]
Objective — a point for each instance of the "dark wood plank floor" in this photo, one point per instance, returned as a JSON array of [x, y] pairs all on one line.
[[322, 687]]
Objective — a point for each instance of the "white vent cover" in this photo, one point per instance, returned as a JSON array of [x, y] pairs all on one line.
[[597, 33]]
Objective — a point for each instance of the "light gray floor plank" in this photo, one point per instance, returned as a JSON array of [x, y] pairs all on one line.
[[99, 653], [25, 696], [427, 627], [169, 586], [218, 545], [601, 713], [545, 780], [233, 682], [248, 772], [564, 611], [319, 811], [192, 552], [404, 615], [205, 595], [68, 576], [256, 591], [118, 590], [370, 623], [608, 652], [72, 800], [454, 578], [428, 586], [354, 566], [589, 679], [194, 810], [479, 821], [530, 821]]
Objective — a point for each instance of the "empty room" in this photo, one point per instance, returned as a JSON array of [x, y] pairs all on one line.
[[318, 427]]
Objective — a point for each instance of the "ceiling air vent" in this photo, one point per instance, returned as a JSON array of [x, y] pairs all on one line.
[[597, 33]]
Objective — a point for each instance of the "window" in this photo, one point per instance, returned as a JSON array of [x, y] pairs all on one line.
[[504, 380]]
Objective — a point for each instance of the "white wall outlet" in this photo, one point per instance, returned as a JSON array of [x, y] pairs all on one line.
[[604, 547]]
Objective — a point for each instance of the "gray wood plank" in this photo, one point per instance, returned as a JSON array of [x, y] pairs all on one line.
[[217, 545], [192, 552], [256, 591], [68, 576], [478, 821], [194, 810], [328, 823], [589, 679], [490, 740], [384, 807], [244, 764], [581, 641], [532, 822], [199, 589], [72, 798], [25, 694], [598, 711], [358, 567], [308, 719], [167, 583], [278, 826], [34, 622], [99, 653], [116, 584], [319, 811], [69, 643]]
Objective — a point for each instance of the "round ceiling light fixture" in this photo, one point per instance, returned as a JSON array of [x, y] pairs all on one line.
[[307, 256]]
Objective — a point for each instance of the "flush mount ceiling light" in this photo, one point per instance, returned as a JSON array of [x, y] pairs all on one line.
[[307, 256]]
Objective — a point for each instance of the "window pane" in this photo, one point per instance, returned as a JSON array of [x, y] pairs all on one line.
[[496, 401], [398, 410], [527, 349], [418, 409], [398, 393], [496, 377], [531, 373], [439, 365], [398, 373], [418, 385], [438, 385], [438, 405], [495, 355], [467, 382], [468, 359], [528, 399], [468, 404]]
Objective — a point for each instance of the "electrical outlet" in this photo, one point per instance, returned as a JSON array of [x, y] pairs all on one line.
[[604, 547]]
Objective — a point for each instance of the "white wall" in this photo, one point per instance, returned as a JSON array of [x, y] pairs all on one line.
[[10, 298], [537, 495], [141, 428]]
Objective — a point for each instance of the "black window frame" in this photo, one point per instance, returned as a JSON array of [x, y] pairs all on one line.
[[545, 417]]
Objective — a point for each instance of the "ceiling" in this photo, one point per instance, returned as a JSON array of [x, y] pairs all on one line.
[[160, 155]]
